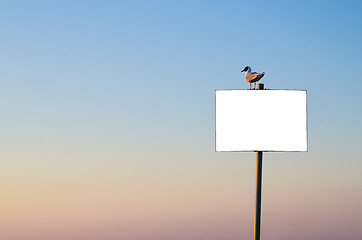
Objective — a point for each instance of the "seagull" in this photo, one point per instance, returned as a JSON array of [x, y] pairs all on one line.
[[252, 77]]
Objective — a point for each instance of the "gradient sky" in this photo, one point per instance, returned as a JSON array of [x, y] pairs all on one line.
[[107, 119]]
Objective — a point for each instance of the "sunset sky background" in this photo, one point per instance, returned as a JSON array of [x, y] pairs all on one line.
[[107, 119]]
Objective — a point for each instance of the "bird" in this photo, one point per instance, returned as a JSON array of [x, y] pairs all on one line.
[[252, 77]]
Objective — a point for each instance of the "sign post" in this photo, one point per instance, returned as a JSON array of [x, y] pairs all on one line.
[[260, 121], [258, 183], [258, 179]]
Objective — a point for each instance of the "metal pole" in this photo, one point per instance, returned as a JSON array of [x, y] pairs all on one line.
[[257, 215], [258, 181]]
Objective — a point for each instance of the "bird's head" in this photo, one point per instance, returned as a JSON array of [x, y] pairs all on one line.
[[245, 69]]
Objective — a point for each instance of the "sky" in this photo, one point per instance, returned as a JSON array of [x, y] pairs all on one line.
[[107, 119]]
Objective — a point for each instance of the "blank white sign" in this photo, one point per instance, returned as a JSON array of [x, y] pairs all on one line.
[[261, 120]]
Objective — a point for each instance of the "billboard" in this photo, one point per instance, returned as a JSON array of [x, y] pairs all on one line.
[[261, 120]]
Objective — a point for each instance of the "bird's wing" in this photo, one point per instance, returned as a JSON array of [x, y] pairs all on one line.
[[255, 75]]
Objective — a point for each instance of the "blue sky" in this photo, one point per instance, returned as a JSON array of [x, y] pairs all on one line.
[[120, 94]]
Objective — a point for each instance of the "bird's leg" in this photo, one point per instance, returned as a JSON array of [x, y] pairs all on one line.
[[250, 86], [254, 85]]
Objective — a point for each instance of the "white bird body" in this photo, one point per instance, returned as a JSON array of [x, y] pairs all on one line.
[[252, 77]]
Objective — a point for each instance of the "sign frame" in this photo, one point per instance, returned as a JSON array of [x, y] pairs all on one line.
[[260, 110]]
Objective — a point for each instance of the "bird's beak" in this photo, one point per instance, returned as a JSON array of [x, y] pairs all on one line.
[[243, 71]]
